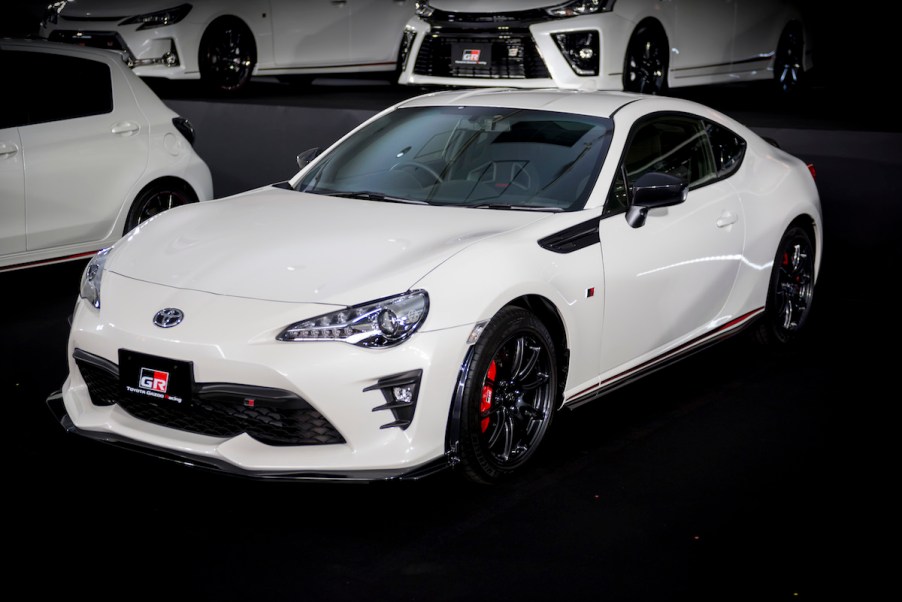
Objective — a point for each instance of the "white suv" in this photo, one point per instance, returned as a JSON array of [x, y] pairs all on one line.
[[87, 152]]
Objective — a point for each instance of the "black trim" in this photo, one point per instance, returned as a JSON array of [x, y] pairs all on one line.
[[286, 185], [742, 62], [452, 435], [402, 412], [573, 238], [58, 409]]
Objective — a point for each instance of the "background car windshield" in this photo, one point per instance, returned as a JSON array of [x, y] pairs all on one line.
[[469, 156]]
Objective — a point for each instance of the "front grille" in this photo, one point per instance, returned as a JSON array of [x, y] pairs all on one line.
[[520, 17], [214, 410], [514, 56], [109, 40]]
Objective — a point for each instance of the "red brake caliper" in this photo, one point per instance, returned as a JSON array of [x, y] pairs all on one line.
[[486, 403]]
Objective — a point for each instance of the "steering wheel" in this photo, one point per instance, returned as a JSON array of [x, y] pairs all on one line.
[[418, 165]]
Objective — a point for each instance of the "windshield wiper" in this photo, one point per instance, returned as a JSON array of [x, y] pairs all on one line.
[[515, 207], [368, 195]]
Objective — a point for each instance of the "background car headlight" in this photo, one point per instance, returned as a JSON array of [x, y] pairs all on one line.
[[381, 323], [160, 18], [575, 8], [90, 278]]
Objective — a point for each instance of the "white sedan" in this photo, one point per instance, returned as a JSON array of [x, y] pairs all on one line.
[[225, 42], [434, 287], [87, 152], [635, 45]]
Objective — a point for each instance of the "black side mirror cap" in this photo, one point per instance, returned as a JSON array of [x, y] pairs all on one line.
[[653, 190]]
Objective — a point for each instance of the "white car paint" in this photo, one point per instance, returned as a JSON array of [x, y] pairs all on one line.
[[314, 36], [243, 268], [68, 184], [708, 41]]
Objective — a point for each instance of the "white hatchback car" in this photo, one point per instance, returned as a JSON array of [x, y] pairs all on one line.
[[635, 45], [430, 290], [225, 42], [87, 152]]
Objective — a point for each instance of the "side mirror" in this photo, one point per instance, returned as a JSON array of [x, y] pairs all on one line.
[[307, 156], [653, 190]]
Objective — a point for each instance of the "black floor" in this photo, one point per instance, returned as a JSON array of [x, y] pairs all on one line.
[[742, 473]]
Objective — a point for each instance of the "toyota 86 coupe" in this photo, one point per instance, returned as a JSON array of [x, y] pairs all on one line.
[[433, 288]]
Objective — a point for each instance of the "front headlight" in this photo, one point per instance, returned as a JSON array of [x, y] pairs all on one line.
[[90, 278], [160, 18], [574, 8], [381, 323]]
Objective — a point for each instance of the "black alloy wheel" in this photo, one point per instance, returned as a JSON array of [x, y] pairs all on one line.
[[157, 198], [646, 63], [789, 60], [791, 289], [510, 391], [227, 55]]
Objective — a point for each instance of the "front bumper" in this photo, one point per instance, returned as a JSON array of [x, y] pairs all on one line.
[[232, 340]]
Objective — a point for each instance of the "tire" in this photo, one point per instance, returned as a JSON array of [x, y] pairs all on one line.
[[791, 290], [227, 55], [509, 396], [647, 61], [789, 60], [157, 198]]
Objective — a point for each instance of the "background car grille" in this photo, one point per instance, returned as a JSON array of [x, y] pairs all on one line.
[[110, 40], [513, 57], [214, 415]]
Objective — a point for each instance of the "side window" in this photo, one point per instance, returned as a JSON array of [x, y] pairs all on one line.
[[670, 144], [728, 148], [67, 87]]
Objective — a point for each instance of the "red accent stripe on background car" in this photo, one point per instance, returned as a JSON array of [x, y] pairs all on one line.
[[33, 264]]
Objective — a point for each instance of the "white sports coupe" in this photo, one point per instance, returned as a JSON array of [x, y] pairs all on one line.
[[225, 42], [634, 45], [434, 287]]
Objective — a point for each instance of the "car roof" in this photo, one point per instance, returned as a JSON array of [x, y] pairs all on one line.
[[585, 102]]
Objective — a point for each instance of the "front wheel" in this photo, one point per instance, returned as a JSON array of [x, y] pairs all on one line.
[[227, 55], [646, 62], [791, 289], [509, 396], [157, 198]]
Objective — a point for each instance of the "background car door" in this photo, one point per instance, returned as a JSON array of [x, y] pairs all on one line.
[[376, 27], [314, 33], [82, 116], [758, 27], [12, 192], [703, 43], [668, 280]]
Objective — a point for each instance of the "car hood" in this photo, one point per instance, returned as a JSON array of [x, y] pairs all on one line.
[[282, 245], [496, 6]]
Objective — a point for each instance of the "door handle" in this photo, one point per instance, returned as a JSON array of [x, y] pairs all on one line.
[[8, 149], [727, 219], [125, 128]]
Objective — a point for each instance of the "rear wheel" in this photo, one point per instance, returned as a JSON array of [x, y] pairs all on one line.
[[157, 198], [227, 55], [509, 396], [791, 289], [646, 62]]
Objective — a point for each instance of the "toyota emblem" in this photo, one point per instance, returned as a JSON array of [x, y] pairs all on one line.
[[169, 317]]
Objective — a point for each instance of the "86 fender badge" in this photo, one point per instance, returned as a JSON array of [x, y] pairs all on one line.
[[168, 317]]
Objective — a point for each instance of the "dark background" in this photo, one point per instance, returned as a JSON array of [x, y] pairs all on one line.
[[742, 473]]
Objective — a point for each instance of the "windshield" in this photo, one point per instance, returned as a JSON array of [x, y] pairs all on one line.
[[468, 156]]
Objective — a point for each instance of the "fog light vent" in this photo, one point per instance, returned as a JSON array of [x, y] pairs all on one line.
[[580, 48], [400, 392]]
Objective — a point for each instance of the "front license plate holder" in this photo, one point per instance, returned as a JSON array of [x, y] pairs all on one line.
[[151, 378]]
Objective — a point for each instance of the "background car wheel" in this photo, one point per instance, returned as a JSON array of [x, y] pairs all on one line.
[[647, 59], [791, 289], [509, 396], [157, 198], [227, 55], [789, 59]]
